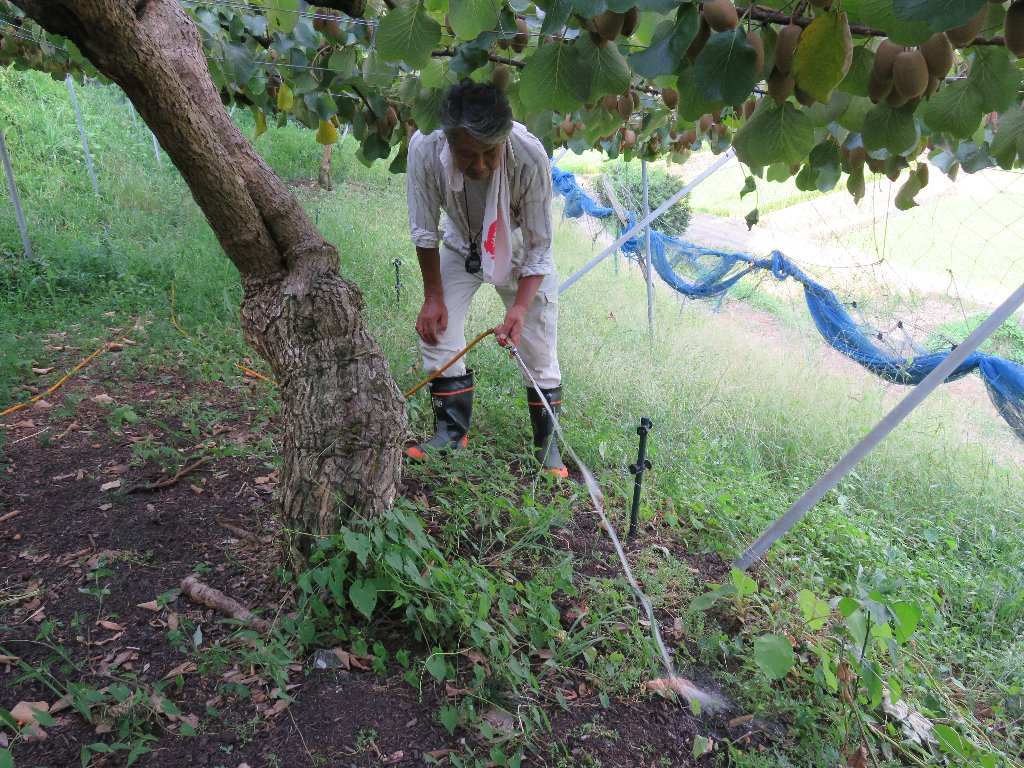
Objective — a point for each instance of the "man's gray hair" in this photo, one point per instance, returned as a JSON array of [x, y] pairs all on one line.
[[480, 109]]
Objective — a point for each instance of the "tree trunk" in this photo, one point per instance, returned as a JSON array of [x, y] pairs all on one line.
[[344, 418], [325, 168]]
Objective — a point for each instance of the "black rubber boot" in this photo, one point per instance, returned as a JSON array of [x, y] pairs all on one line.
[[452, 399], [545, 444]]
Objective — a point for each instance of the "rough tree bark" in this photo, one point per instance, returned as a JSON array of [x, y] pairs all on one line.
[[343, 417]]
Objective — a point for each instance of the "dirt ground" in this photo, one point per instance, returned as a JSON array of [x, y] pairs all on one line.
[[95, 539]]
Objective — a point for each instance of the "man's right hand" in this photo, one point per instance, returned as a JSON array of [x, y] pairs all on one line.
[[432, 321]]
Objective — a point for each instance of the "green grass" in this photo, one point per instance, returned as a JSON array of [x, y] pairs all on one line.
[[741, 428], [972, 236]]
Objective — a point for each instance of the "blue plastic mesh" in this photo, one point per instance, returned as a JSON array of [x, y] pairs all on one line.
[[699, 273]]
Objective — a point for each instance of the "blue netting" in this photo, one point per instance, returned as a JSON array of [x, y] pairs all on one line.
[[698, 272]]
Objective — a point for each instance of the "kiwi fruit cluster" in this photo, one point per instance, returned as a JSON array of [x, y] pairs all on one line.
[[900, 75], [327, 20], [519, 40], [607, 26], [625, 104]]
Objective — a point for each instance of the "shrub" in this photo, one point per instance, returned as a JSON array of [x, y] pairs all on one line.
[[627, 181]]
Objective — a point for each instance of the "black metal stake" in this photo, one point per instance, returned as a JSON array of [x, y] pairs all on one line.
[[398, 281], [642, 463]]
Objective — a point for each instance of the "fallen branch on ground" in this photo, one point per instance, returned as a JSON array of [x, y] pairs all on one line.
[[239, 532], [214, 598], [169, 481]]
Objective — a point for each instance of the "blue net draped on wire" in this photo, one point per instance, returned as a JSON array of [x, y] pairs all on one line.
[[700, 273]]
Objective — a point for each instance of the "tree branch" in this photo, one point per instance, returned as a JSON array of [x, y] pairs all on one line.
[[769, 16]]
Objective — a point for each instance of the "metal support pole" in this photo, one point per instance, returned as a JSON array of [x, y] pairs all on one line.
[[19, 214], [648, 260], [398, 281], [642, 463], [85, 140], [903, 408], [648, 219]]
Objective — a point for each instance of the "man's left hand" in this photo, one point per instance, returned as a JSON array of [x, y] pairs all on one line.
[[510, 331]]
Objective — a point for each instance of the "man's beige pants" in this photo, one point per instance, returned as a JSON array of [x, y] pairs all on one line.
[[539, 339]]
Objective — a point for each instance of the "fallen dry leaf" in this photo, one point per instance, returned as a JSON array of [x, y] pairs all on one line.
[[149, 606], [42, 405], [22, 711], [24, 714], [182, 669], [27, 424], [42, 371], [741, 720], [111, 485], [279, 706], [8, 660], [103, 397], [106, 507], [859, 759]]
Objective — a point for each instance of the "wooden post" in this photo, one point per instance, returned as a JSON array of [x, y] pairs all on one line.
[[19, 214]]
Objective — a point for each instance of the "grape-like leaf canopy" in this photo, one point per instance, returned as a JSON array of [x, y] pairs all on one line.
[[590, 73]]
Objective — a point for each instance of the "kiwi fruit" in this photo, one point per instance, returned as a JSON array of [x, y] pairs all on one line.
[[334, 27], [1013, 28], [522, 37], [802, 96], [501, 76], [965, 35], [624, 105], [933, 85], [910, 74], [722, 130], [857, 156], [748, 108], [635, 96], [938, 54], [884, 58], [628, 137], [630, 21], [609, 24], [780, 85], [699, 40], [670, 96], [568, 127], [319, 22], [609, 102], [755, 41], [895, 99], [878, 87], [721, 15], [689, 137], [705, 123], [785, 47]]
